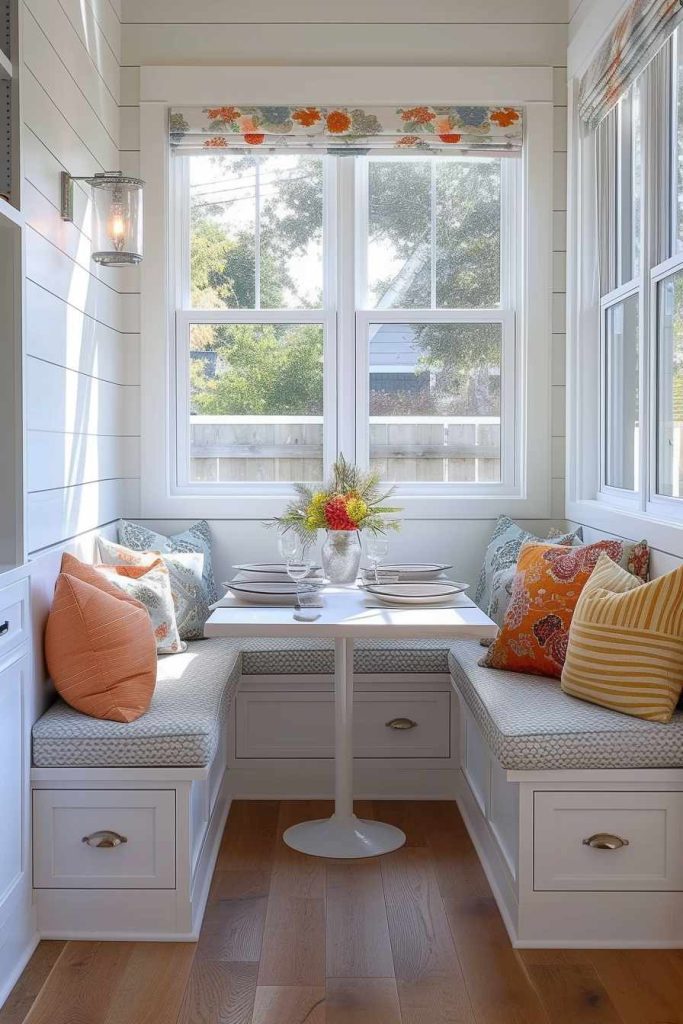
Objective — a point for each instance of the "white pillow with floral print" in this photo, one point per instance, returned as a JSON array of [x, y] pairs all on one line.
[[151, 586], [185, 570]]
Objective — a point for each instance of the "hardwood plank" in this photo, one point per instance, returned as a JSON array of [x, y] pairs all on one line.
[[362, 1001], [645, 985], [218, 993], [232, 930], [574, 994], [289, 1005], [293, 950], [430, 982], [497, 982], [33, 977], [357, 932], [82, 983], [401, 814], [153, 983]]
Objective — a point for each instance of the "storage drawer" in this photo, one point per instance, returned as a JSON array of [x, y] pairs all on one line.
[[14, 612], [649, 824], [302, 724], [142, 858]]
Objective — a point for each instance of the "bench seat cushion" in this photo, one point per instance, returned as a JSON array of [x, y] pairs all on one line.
[[191, 701], [299, 656], [530, 724]]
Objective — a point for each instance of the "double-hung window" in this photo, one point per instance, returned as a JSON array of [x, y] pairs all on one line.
[[638, 234], [363, 301]]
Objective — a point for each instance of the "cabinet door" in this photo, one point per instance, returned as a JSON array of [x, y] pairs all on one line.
[[13, 676]]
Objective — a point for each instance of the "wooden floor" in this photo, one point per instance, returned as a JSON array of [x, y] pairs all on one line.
[[410, 938]]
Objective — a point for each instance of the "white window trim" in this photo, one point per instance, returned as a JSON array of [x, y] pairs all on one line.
[[161, 87]]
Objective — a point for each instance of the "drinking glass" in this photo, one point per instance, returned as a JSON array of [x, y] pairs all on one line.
[[376, 548]]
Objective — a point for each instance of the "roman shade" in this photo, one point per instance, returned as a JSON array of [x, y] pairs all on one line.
[[641, 31], [420, 128]]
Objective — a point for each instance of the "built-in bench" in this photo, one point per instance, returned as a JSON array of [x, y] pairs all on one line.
[[128, 817], [576, 811]]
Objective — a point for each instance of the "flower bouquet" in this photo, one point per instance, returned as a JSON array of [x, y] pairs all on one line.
[[352, 501]]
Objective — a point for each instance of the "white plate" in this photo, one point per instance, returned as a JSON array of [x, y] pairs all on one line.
[[270, 569], [259, 592], [415, 593], [412, 570]]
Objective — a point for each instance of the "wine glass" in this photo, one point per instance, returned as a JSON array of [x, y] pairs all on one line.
[[297, 558], [376, 548]]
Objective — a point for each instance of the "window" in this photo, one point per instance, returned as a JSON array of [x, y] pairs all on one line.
[[346, 303]]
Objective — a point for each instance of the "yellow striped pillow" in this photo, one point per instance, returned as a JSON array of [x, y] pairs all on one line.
[[626, 643]]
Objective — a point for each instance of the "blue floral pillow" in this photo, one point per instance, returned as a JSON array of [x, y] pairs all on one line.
[[196, 538], [503, 550]]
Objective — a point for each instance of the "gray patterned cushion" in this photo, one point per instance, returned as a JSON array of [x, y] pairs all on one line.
[[299, 656], [529, 723], [191, 701], [196, 538]]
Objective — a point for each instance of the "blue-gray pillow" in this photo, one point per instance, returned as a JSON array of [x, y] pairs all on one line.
[[196, 538], [503, 550]]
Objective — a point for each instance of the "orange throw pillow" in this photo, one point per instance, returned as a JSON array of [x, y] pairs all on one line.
[[100, 650], [73, 566], [547, 584]]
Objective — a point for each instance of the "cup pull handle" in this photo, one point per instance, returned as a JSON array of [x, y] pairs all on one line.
[[104, 840], [401, 723], [4, 627], [605, 841]]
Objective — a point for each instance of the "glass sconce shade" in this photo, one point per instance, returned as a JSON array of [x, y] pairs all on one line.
[[117, 219]]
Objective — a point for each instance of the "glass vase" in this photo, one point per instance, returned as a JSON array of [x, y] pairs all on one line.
[[341, 556]]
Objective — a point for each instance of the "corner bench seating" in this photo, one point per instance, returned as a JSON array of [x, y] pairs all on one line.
[[534, 771]]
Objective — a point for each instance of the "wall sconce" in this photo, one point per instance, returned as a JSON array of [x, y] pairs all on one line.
[[117, 216]]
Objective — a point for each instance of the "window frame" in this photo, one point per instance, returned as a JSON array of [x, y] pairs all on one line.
[[536, 495], [345, 317], [590, 500]]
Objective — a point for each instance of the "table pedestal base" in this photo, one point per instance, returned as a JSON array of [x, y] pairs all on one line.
[[346, 837]]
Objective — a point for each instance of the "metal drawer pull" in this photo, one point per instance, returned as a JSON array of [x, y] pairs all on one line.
[[605, 841], [104, 840], [4, 627], [401, 723]]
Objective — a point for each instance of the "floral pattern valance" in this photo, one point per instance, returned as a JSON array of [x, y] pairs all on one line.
[[436, 128], [641, 31]]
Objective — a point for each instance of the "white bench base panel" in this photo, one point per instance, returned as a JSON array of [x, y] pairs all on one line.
[[552, 890]]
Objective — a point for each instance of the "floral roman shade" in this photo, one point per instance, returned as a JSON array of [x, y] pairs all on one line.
[[436, 128], [641, 31]]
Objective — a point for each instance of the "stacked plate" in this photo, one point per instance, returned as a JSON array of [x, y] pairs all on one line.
[[268, 592], [409, 572], [435, 592], [271, 572]]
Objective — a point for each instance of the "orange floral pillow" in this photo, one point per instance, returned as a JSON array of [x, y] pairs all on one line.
[[546, 587]]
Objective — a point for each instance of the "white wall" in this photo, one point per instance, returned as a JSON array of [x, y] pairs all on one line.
[[81, 368], [373, 33]]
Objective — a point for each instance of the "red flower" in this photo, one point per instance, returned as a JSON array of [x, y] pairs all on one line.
[[451, 138], [223, 113], [505, 116], [420, 115], [336, 515], [338, 121], [254, 138], [216, 142], [306, 116]]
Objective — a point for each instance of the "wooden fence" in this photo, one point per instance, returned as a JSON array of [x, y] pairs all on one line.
[[272, 448]]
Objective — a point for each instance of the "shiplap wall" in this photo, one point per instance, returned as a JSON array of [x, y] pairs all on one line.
[[377, 33], [82, 377]]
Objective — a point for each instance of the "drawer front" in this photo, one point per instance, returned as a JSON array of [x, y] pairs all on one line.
[[649, 824], [14, 611], [63, 818], [272, 725]]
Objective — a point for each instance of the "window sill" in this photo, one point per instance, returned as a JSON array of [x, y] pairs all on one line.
[[662, 534]]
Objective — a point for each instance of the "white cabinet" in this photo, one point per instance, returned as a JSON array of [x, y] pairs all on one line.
[[13, 772]]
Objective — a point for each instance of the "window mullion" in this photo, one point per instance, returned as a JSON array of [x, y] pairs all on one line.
[[257, 234], [347, 244]]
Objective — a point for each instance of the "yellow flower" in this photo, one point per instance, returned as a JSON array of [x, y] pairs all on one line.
[[356, 509], [315, 513]]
